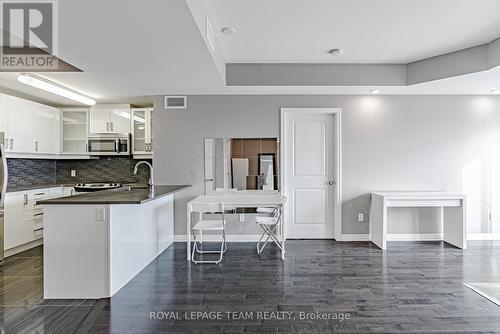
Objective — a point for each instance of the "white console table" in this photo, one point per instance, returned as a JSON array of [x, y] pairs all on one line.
[[453, 216]]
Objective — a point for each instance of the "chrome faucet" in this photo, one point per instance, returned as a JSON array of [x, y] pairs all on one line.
[[150, 183]]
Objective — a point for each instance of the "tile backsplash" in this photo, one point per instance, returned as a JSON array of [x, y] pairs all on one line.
[[25, 172]]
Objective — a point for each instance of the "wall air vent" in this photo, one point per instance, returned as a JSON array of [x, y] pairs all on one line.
[[175, 102], [210, 35]]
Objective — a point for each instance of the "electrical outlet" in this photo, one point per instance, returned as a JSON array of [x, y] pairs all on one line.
[[73, 173], [361, 217], [242, 218]]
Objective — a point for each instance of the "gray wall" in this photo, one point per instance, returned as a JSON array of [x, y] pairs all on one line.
[[389, 143]]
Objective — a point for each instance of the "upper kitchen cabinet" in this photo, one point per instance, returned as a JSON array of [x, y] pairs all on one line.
[[142, 134], [109, 119], [30, 128], [74, 131], [46, 133]]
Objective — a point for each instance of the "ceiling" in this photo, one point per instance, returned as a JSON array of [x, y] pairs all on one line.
[[380, 31], [130, 51]]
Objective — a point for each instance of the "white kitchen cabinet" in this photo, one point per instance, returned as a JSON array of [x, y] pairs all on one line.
[[16, 229], [120, 120], [46, 124], [24, 218], [68, 191], [30, 128], [19, 137], [109, 119], [74, 131], [142, 134], [4, 114]]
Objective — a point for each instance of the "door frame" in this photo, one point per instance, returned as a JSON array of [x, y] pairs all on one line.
[[337, 159]]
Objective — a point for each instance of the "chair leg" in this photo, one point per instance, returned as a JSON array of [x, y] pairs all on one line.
[[222, 250], [269, 233]]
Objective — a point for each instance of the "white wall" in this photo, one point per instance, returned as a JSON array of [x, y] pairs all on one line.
[[389, 143]]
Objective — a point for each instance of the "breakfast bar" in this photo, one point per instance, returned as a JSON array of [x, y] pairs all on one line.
[[96, 243]]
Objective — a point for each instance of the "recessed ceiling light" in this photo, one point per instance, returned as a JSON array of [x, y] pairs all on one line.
[[336, 52], [375, 91], [495, 91], [228, 30]]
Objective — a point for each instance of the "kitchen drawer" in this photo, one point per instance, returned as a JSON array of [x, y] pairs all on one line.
[[31, 198], [37, 232]]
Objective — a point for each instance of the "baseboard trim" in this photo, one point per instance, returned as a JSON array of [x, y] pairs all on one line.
[[483, 236], [355, 237], [415, 237], [216, 238], [22, 248]]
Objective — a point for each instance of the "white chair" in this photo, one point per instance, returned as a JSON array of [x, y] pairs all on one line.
[[208, 225], [269, 224]]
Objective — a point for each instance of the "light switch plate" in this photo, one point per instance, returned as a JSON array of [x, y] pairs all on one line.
[[361, 217], [101, 214], [73, 173]]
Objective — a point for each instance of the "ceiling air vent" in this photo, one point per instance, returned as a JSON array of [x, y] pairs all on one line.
[[175, 102]]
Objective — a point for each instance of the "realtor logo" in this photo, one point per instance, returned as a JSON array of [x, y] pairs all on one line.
[[29, 36]]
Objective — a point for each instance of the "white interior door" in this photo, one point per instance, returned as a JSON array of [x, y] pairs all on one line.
[[309, 154]]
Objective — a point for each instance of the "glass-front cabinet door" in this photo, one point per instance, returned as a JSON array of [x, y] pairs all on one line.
[[141, 131], [74, 131]]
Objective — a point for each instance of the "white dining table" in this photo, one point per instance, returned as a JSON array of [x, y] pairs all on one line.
[[240, 199]]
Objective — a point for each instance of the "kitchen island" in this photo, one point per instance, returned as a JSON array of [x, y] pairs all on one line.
[[95, 243]]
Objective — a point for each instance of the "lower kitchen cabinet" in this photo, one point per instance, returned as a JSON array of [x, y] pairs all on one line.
[[24, 218]]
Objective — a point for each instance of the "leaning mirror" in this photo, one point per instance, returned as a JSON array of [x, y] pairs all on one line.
[[238, 164]]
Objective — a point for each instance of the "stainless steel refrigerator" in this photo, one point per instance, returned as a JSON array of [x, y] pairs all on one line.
[[3, 191]]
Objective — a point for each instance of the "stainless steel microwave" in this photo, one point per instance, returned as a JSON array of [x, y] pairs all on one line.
[[109, 145]]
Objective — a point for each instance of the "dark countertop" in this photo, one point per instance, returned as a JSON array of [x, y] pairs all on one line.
[[118, 196], [38, 186]]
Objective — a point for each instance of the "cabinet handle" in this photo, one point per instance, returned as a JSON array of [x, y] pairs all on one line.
[[11, 143], [36, 145], [25, 199], [145, 147], [107, 126], [38, 214], [72, 192], [39, 194], [38, 229], [86, 147], [111, 126]]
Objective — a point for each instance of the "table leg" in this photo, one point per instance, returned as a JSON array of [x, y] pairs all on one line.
[[282, 233], [454, 226], [188, 233]]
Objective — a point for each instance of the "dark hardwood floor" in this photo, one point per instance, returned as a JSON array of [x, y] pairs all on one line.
[[412, 287]]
